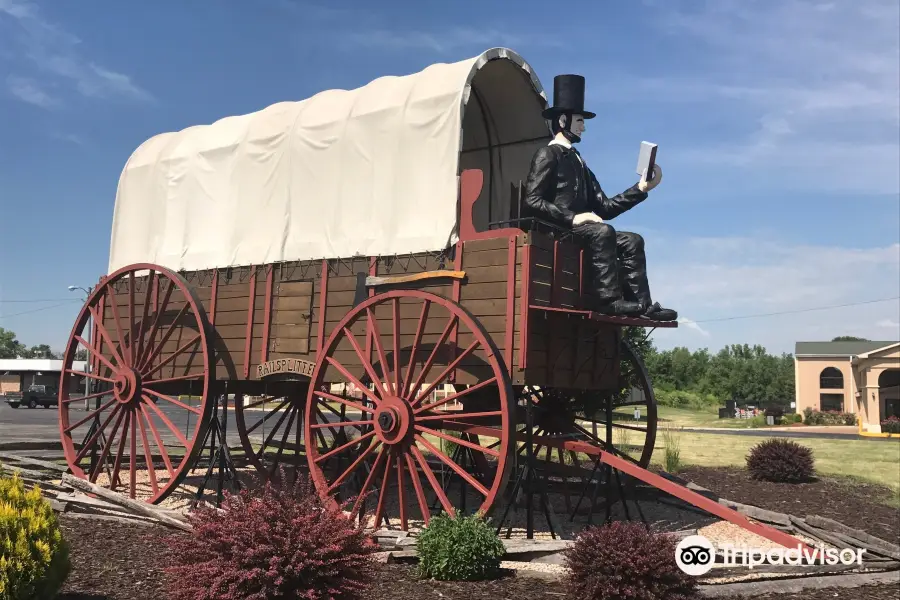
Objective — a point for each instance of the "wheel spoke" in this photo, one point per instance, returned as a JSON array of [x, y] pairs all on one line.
[[458, 441], [384, 383], [267, 416], [352, 467], [426, 368], [106, 447], [160, 310], [89, 375], [403, 522], [429, 475], [368, 483], [177, 403], [344, 401], [453, 465], [148, 453], [159, 442], [165, 419], [417, 485], [110, 293], [370, 370], [93, 439], [172, 356], [420, 329], [396, 335], [90, 416], [97, 354], [457, 418], [98, 323], [343, 447], [456, 396], [362, 388], [139, 342], [382, 494], [162, 343]]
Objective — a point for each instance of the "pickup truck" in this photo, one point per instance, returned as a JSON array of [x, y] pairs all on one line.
[[34, 396]]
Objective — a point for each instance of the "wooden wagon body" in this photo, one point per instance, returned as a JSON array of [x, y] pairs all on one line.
[[278, 255]]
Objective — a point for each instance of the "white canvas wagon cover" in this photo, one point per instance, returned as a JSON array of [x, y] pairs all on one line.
[[369, 171]]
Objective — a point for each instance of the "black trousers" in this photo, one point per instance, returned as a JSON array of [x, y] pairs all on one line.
[[618, 266]]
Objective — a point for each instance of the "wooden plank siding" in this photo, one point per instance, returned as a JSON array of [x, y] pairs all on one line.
[[283, 320]]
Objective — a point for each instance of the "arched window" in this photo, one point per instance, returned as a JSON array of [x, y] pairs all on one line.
[[831, 379]]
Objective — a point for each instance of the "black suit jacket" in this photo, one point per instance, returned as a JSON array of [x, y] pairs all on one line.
[[560, 187]]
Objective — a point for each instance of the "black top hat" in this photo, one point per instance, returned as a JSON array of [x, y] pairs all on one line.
[[568, 96]]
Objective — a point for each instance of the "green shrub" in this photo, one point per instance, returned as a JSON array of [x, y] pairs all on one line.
[[462, 549], [828, 417], [34, 557], [687, 400], [757, 421], [672, 446], [780, 460]]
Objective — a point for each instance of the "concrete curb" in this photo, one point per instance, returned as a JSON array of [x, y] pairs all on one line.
[[793, 585], [16, 446]]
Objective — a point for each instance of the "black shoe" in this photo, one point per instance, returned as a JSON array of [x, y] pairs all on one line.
[[655, 312], [618, 308]]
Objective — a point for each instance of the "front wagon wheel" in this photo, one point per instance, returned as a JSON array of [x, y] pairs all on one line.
[[150, 374]]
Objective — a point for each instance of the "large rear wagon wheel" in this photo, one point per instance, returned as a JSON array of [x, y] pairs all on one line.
[[150, 372], [412, 452]]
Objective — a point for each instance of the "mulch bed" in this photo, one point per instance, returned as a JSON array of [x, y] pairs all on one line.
[[857, 504], [117, 561]]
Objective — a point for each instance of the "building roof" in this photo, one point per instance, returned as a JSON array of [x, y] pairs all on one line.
[[837, 348], [46, 365]]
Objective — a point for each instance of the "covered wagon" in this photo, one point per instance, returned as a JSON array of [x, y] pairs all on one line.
[[356, 271]]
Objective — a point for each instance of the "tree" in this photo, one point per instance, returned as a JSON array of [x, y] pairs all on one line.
[[40, 351], [10, 347], [849, 338]]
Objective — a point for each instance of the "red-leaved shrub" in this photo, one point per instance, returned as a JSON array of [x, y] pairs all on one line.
[[781, 460], [271, 543], [625, 560]]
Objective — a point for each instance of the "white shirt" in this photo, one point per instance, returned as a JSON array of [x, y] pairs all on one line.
[[566, 144]]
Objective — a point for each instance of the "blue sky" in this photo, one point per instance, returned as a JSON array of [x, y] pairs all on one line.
[[778, 124]]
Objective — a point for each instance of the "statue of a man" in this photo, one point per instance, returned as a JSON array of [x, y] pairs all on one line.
[[563, 190]]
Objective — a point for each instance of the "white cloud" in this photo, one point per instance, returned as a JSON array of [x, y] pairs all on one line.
[[54, 52], [29, 91], [821, 82], [693, 325], [770, 291], [442, 41]]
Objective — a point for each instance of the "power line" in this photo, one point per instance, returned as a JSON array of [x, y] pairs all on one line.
[[802, 310], [36, 300], [34, 310]]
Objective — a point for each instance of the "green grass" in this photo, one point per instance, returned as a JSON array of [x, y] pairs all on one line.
[[864, 460], [685, 417]]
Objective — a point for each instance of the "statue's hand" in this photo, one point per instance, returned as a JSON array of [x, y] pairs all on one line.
[[646, 186], [587, 217]]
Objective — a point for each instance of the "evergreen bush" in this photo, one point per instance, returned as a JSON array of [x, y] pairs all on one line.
[[34, 557]]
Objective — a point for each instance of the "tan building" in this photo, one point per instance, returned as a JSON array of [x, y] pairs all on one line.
[[857, 377]]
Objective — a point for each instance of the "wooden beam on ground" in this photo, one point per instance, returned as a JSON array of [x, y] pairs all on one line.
[[138, 507]]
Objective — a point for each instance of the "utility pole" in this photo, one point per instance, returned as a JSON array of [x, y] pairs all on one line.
[[90, 340]]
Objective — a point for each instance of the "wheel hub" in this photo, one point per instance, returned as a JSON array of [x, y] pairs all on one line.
[[393, 420], [127, 386]]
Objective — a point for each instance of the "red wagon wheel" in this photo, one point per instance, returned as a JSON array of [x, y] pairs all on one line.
[[395, 350], [150, 369], [270, 430]]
